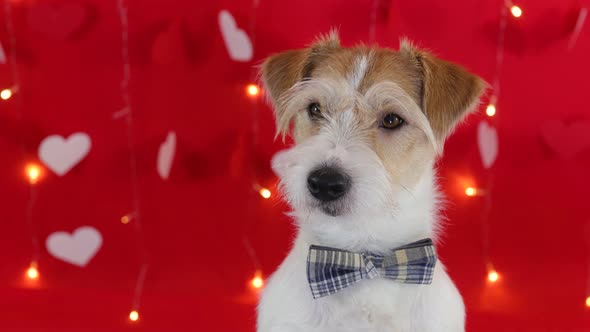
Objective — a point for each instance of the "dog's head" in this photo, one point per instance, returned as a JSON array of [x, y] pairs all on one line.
[[368, 124]]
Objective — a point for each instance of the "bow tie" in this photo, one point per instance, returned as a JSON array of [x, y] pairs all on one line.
[[330, 270]]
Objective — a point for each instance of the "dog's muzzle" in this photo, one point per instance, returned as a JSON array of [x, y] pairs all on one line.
[[328, 184]]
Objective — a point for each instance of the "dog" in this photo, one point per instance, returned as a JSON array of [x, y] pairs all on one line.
[[368, 125]]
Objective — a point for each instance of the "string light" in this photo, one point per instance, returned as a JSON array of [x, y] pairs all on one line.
[[516, 11], [491, 110], [32, 272], [493, 276], [125, 219], [265, 193], [257, 281], [470, 191], [134, 316], [134, 177], [253, 90], [588, 301], [33, 172], [6, 94]]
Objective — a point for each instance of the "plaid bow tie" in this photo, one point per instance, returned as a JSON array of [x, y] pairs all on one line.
[[330, 270]]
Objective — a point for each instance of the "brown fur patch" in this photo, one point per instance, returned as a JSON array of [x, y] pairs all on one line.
[[387, 65], [281, 71], [448, 90]]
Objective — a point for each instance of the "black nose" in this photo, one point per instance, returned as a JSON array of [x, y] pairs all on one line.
[[327, 184]]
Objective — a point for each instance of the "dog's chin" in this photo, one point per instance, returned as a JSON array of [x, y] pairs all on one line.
[[333, 209]]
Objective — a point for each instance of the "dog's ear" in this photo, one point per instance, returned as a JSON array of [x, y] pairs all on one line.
[[281, 71], [448, 91]]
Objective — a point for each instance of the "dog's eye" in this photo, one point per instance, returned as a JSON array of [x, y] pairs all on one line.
[[392, 121], [314, 111]]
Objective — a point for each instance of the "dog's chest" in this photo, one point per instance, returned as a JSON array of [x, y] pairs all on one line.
[[372, 306]]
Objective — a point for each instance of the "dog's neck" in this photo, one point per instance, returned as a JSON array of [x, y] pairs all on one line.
[[414, 218]]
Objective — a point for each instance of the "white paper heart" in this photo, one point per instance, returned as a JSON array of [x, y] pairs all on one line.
[[236, 40], [60, 154], [166, 155], [487, 141], [77, 248], [2, 55]]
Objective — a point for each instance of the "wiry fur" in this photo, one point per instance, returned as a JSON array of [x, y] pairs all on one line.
[[393, 199]]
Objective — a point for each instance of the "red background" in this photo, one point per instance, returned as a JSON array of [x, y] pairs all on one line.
[[195, 224]]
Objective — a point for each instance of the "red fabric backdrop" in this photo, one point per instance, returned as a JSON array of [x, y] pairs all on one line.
[[197, 224]]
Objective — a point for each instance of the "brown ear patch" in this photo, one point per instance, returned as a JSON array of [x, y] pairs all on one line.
[[281, 71], [448, 91]]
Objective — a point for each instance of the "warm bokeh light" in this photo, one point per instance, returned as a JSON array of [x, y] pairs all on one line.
[[265, 193], [253, 90], [6, 94], [588, 301], [134, 315], [257, 282], [516, 11], [493, 276], [33, 172], [491, 110], [125, 219], [470, 191], [32, 272]]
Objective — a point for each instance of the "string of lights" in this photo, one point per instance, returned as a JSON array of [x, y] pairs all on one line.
[[491, 110], [253, 91], [33, 171], [493, 275], [127, 112]]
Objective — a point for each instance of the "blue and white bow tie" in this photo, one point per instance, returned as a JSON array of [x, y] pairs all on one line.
[[330, 270]]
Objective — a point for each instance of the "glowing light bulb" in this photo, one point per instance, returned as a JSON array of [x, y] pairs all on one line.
[[125, 219], [32, 272], [253, 90], [491, 110], [6, 94], [33, 172], [516, 11], [493, 276], [265, 193], [470, 191], [134, 316], [588, 301], [257, 282]]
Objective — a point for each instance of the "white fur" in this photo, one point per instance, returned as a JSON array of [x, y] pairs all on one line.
[[377, 215], [360, 68]]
